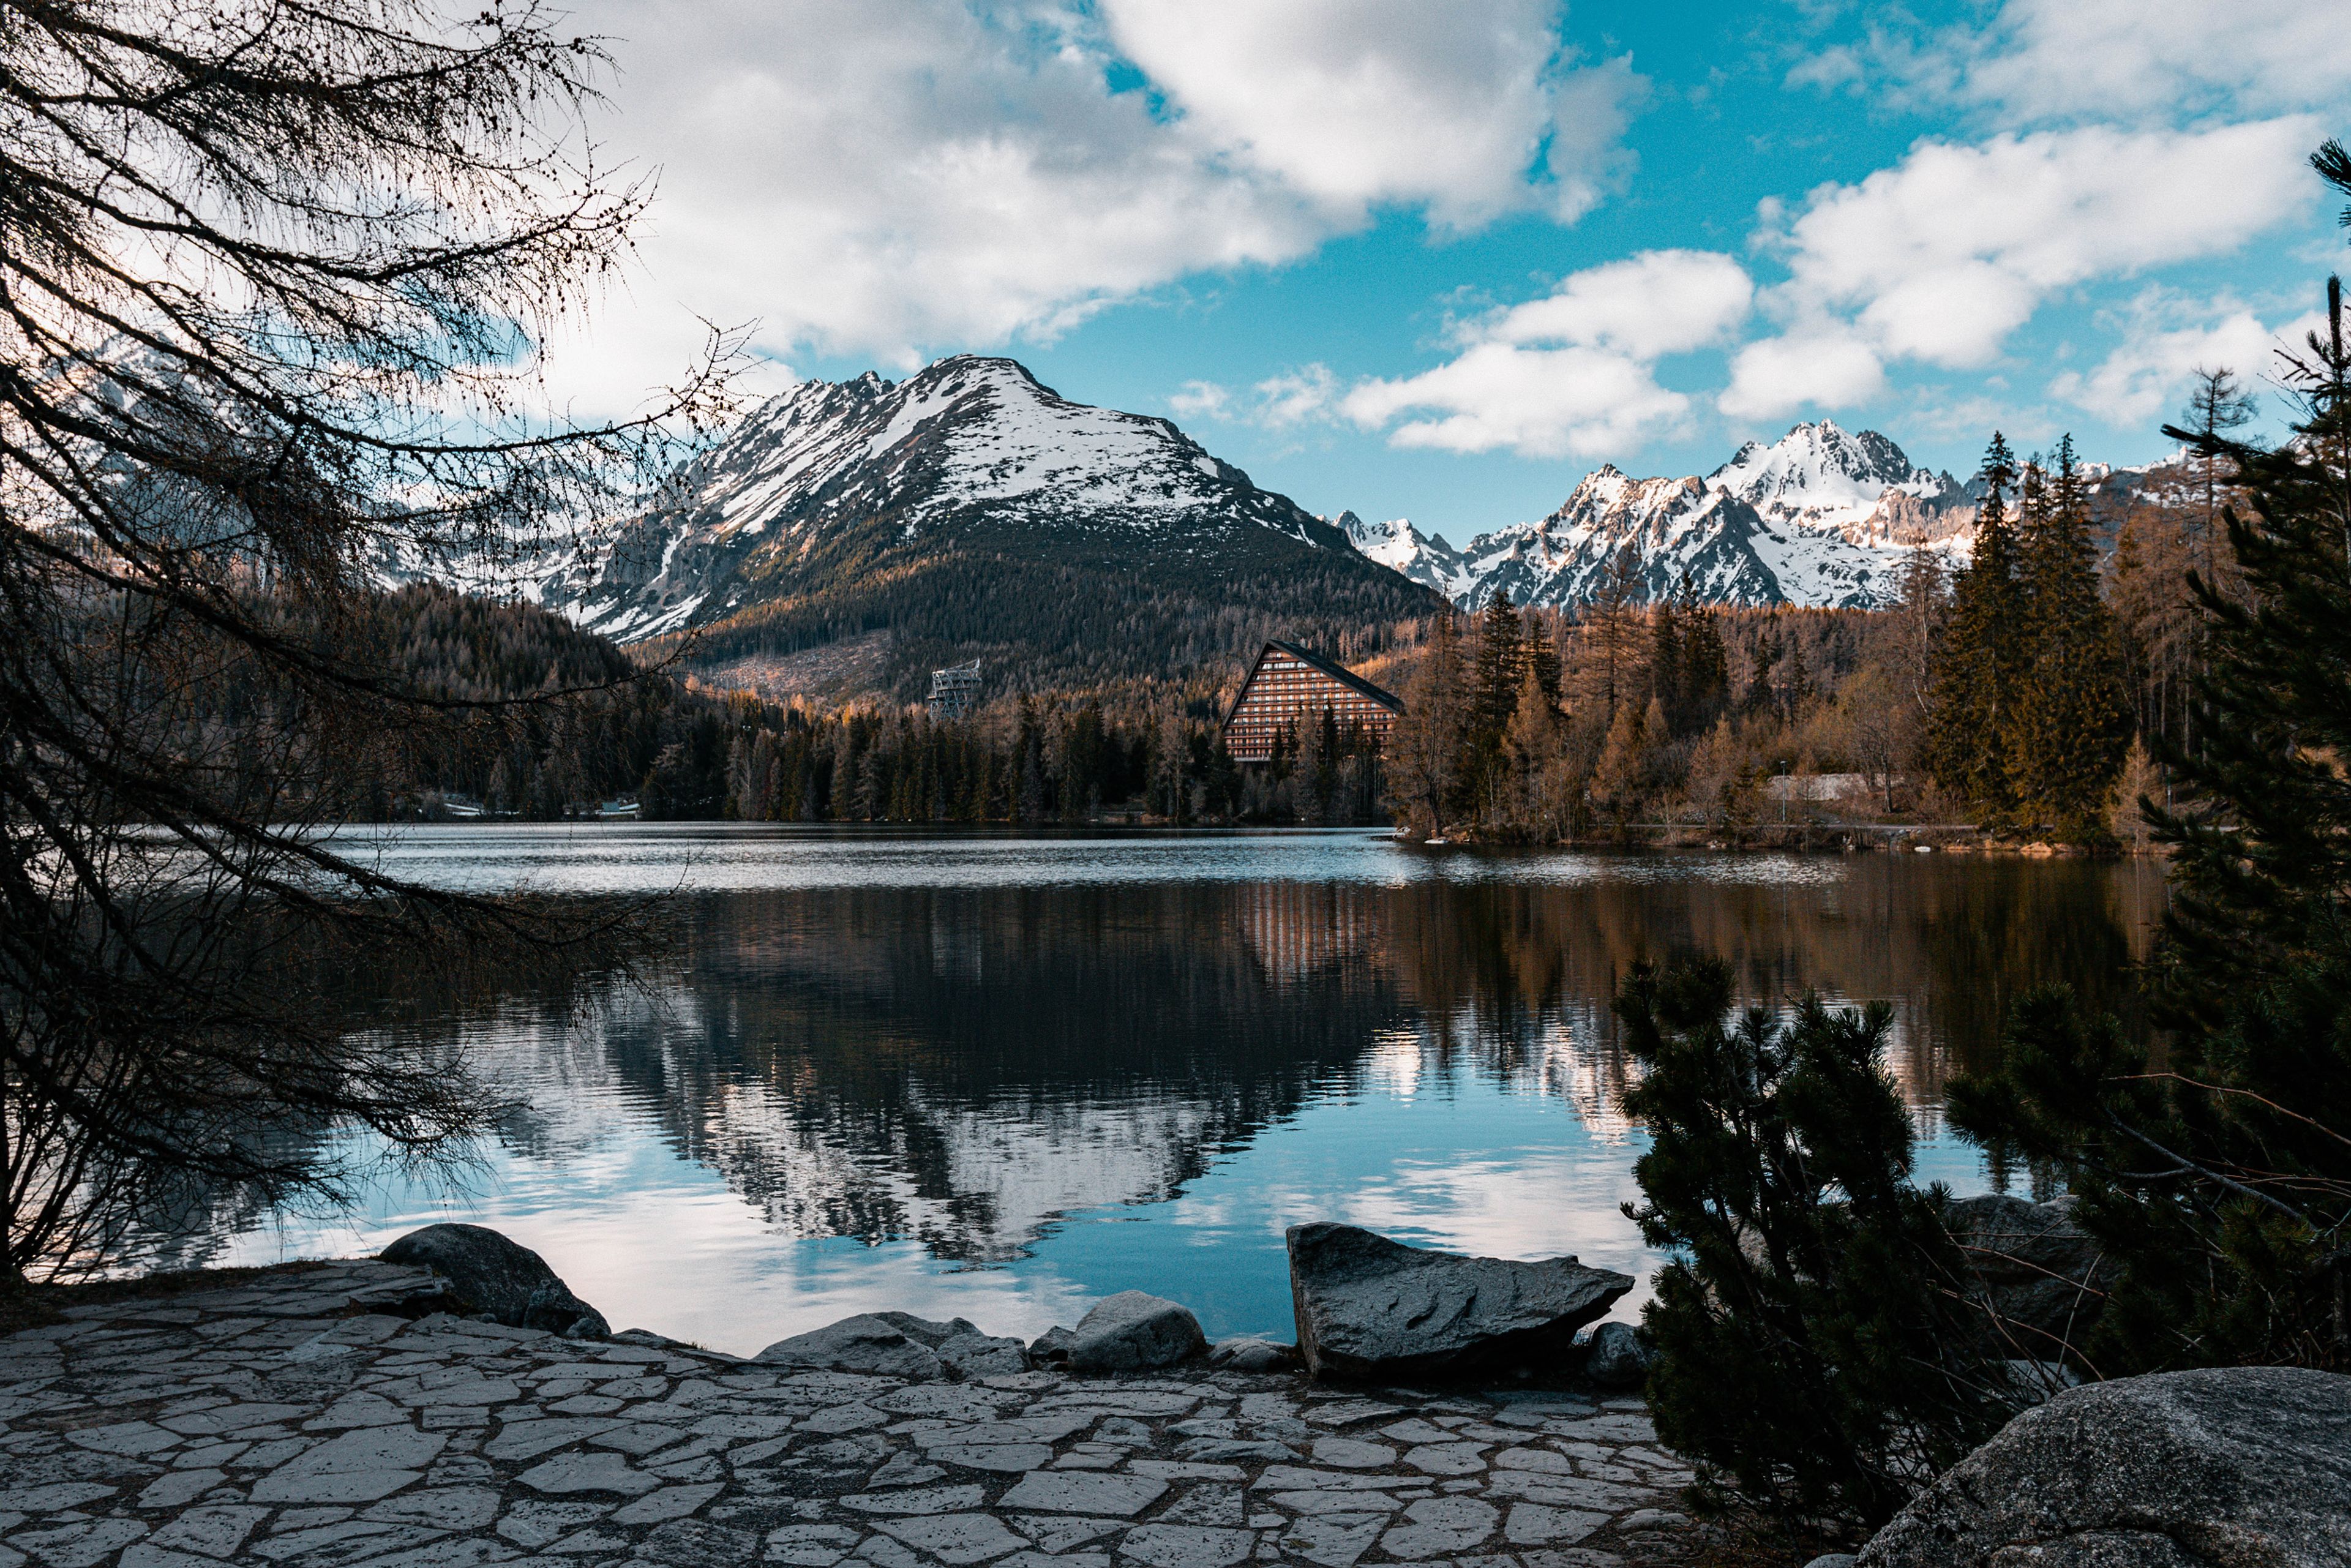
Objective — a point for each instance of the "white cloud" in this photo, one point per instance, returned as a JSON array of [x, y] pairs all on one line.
[[1655, 303], [1296, 397], [1200, 400], [1356, 103], [1820, 365], [2147, 376], [1537, 403], [888, 179], [1572, 372], [1940, 257], [2044, 59]]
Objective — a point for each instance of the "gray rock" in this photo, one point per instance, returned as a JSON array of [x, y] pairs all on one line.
[[1132, 1332], [1253, 1353], [961, 1346], [2044, 1280], [1372, 1308], [868, 1343], [1051, 1348], [1832, 1560], [1617, 1357], [899, 1344], [1079, 1491], [2227, 1468], [498, 1279]]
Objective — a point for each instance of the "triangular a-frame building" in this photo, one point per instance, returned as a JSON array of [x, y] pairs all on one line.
[[1287, 684]]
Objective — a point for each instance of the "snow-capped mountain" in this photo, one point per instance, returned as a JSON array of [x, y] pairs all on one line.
[[1401, 547], [1822, 516], [968, 511], [969, 444]]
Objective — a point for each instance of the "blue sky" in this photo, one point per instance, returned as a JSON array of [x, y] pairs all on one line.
[[1441, 260]]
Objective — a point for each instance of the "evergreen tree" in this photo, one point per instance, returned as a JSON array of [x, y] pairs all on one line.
[[1542, 662], [1665, 673], [1705, 664], [1976, 668], [1816, 1355], [1500, 665], [2219, 1181], [1759, 685], [2068, 720]]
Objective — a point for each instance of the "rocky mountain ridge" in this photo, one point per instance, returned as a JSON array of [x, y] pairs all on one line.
[[881, 527], [1822, 516], [969, 511]]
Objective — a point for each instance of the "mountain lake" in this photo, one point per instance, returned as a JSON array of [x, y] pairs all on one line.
[[999, 1076]]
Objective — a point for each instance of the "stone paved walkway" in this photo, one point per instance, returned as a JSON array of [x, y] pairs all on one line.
[[312, 1420]]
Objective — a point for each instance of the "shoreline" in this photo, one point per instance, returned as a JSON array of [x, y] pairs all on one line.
[[326, 1413]]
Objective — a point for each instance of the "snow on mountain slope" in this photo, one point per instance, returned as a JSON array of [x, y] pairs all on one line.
[[839, 476], [1821, 516], [1425, 558]]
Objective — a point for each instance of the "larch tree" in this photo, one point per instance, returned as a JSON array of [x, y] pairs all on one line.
[[1611, 635], [272, 281], [1425, 744]]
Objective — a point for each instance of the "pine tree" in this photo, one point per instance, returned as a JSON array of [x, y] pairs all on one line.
[[1542, 660], [2219, 1179], [2069, 719], [1975, 671], [1816, 1352], [1667, 684], [1759, 683], [1705, 664], [1499, 668]]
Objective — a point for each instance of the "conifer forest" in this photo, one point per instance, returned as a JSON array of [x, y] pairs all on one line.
[[2029, 691]]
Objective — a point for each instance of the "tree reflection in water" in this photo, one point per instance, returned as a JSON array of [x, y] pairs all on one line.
[[964, 1069]]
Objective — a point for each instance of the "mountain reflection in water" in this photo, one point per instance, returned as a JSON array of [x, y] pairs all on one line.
[[960, 1089]]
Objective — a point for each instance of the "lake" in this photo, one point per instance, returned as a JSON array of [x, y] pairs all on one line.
[[999, 1076]]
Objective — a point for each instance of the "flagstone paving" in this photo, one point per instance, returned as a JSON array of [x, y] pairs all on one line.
[[312, 1418]]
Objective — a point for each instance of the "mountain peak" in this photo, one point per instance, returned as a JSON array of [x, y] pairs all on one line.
[[839, 488], [1818, 463]]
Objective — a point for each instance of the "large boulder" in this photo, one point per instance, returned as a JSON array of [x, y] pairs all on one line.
[[2040, 1275], [1132, 1331], [899, 1345], [500, 1278], [2229, 1467], [1372, 1308], [1617, 1357]]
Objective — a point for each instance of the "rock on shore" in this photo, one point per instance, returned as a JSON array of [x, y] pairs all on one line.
[[899, 1345], [2040, 1275], [1369, 1307], [2226, 1467], [500, 1277], [310, 1418]]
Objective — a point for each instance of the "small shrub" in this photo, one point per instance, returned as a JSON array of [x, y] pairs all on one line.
[[1818, 1355]]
